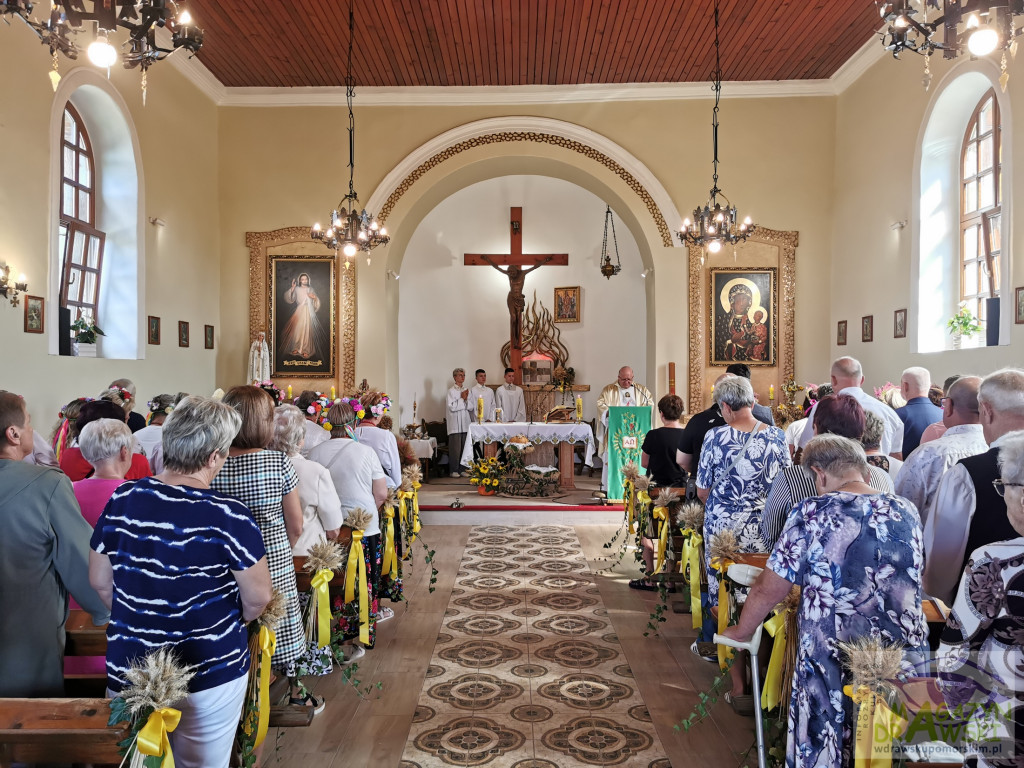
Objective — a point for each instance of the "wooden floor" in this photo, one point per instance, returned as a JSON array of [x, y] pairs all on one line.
[[375, 730]]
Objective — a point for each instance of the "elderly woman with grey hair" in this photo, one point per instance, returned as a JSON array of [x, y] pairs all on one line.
[[981, 648], [321, 509], [857, 556], [184, 567], [874, 429], [107, 445], [738, 462]]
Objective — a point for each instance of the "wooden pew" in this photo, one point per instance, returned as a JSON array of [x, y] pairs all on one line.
[[58, 730]]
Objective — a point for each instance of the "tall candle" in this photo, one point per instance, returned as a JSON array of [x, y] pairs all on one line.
[[289, 391], [771, 392], [333, 395], [479, 409], [579, 408]]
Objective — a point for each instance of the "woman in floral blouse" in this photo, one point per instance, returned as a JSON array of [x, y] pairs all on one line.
[[856, 555], [981, 657]]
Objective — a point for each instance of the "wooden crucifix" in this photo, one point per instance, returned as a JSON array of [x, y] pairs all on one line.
[[514, 263]]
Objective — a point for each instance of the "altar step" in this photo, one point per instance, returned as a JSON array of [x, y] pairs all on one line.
[[536, 514]]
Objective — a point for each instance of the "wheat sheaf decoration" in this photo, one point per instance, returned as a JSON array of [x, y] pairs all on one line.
[[155, 683], [871, 665], [630, 471], [691, 516], [724, 546]]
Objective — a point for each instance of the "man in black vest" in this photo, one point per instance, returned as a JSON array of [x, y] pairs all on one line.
[[968, 512]]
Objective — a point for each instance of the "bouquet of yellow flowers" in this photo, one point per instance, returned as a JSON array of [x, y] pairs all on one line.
[[486, 472]]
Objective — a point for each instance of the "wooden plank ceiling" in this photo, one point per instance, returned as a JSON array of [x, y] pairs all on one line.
[[526, 42]]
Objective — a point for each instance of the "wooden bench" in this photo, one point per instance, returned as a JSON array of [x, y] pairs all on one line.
[[58, 730]]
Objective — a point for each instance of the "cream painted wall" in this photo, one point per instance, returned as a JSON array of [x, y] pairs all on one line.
[[558, 217], [178, 140], [284, 167], [879, 119]]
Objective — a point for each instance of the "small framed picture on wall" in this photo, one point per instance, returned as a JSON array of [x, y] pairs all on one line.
[[867, 328], [153, 330], [899, 324], [208, 336], [34, 315], [1018, 315], [841, 333], [182, 333]]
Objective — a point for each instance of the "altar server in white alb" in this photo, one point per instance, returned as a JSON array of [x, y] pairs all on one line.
[[510, 399], [480, 391], [457, 417], [623, 392]]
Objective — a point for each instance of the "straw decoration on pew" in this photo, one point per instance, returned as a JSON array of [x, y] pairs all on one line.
[[322, 560], [256, 708], [690, 520], [661, 523], [409, 514], [871, 664], [723, 549], [155, 683], [358, 520]]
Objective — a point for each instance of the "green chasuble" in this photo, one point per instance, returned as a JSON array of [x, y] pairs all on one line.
[[627, 427]]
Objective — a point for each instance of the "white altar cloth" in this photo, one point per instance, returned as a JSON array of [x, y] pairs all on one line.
[[424, 449], [536, 433]]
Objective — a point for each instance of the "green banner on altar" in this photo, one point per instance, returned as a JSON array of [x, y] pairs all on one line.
[[627, 427]]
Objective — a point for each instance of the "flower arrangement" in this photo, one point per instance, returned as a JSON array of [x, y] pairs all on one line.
[[154, 407], [382, 407], [357, 407], [563, 378], [486, 473], [963, 323], [268, 387]]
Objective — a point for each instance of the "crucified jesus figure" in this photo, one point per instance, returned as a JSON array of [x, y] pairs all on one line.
[[516, 298]]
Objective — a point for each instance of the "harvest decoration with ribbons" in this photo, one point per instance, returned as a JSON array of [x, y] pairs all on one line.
[[356, 584], [661, 526], [724, 550], [871, 665], [154, 684], [630, 473], [323, 559], [262, 642], [690, 520], [781, 626]]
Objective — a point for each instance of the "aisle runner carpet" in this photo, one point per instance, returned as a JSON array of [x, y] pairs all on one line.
[[527, 671]]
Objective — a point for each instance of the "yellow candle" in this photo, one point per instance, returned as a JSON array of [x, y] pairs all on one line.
[[579, 408], [479, 409], [771, 392], [333, 395], [289, 391]]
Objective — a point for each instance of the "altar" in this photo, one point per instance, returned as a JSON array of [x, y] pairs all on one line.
[[566, 434]]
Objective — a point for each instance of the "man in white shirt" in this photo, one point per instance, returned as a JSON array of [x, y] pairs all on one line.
[[919, 479], [315, 434], [480, 391], [510, 400], [847, 379], [457, 418], [968, 511], [622, 392]]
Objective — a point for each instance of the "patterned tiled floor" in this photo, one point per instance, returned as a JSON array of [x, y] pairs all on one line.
[[527, 671]]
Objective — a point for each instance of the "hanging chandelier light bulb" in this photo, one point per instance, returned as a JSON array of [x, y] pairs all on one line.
[[101, 52], [715, 224], [352, 229]]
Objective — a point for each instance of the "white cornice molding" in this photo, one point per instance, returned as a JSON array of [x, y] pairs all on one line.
[[527, 124], [517, 95]]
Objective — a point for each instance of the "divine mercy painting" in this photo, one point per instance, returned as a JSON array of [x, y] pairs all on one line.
[[743, 316], [301, 316]]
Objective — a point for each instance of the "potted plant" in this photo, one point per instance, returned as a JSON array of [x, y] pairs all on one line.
[[485, 474], [85, 331], [963, 323]]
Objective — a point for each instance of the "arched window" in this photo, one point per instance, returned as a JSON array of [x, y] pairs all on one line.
[[80, 242], [980, 206]]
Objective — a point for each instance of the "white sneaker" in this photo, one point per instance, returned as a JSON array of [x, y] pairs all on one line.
[[385, 614], [456, 474], [353, 653]]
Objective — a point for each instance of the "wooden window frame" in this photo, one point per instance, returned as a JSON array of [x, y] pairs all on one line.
[[71, 271], [981, 217], [73, 179]]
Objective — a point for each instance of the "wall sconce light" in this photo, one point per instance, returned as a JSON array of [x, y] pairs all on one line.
[[392, 274], [9, 290], [898, 225], [156, 221]]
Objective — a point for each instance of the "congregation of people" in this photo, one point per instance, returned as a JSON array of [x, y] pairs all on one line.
[[178, 529]]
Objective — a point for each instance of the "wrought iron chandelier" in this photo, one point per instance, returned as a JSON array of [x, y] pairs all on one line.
[[607, 268], [352, 229], [715, 223], [979, 27], [140, 17]]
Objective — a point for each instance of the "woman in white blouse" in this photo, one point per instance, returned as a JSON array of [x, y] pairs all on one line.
[[321, 509], [150, 436]]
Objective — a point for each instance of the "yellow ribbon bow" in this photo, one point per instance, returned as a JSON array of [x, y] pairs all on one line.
[[267, 642], [690, 563], [721, 564], [628, 500], [389, 562], [319, 584], [153, 739], [877, 726], [415, 511], [357, 564], [661, 513], [772, 693]]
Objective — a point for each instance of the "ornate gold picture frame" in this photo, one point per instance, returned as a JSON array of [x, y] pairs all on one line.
[[301, 317], [743, 309]]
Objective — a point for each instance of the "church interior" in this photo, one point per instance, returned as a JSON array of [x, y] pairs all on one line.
[[168, 220]]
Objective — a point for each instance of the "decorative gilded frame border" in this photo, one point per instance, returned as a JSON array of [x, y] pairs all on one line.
[[540, 138], [697, 359], [773, 281], [258, 244], [572, 290], [331, 262]]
